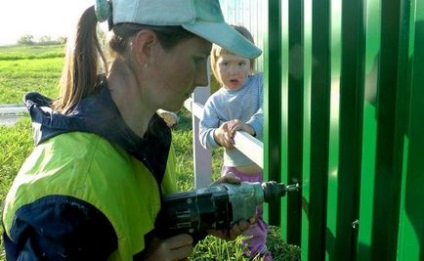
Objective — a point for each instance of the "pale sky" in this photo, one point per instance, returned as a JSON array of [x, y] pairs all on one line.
[[39, 18]]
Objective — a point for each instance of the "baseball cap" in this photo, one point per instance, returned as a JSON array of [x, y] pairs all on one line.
[[201, 17]]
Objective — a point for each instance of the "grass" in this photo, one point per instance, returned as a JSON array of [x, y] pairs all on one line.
[[16, 143], [19, 52], [26, 73], [29, 68]]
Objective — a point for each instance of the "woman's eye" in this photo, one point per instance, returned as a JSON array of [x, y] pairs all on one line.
[[198, 60]]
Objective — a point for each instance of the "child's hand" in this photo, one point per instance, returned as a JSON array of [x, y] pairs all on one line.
[[224, 137], [236, 125]]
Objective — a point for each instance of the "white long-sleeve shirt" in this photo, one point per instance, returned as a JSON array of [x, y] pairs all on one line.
[[245, 104]]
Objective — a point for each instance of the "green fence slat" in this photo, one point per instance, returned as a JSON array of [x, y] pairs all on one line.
[[290, 219], [319, 126], [351, 115], [389, 147], [272, 107], [411, 235], [295, 115], [372, 16]]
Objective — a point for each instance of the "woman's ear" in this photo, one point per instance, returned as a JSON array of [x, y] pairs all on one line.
[[144, 45]]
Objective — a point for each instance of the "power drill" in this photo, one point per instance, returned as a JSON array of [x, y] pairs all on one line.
[[217, 206]]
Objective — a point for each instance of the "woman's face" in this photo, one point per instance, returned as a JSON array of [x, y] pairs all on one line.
[[232, 70], [179, 71]]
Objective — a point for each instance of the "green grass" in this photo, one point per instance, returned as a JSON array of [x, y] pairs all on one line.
[[41, 74], [24, 69], [16, 143], [18, 52]]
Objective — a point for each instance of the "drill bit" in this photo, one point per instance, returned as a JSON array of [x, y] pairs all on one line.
[[293, 187]]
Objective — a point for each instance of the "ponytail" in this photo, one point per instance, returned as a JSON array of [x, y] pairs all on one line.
[[80, 71]]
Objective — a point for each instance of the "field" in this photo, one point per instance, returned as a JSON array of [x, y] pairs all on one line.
[[38, 68], [24, 69]]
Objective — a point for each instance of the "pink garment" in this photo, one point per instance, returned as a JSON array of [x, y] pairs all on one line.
[[259, 231]]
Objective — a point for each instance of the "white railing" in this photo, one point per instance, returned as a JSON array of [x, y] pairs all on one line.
[[202, 158]]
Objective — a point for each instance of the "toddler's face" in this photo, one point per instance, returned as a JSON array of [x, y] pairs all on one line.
[[232, 70]]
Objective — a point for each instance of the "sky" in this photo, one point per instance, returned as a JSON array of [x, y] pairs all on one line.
[[39, 18]]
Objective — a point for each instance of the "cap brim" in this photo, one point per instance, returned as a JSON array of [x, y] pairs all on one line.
[[225, 36]]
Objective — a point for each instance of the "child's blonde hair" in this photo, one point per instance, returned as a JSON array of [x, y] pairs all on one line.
[[218, 50]]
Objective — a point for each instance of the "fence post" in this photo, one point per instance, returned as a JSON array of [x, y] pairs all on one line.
[[202, 158]]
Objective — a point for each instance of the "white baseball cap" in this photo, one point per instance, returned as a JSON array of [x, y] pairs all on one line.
[[201, 17]]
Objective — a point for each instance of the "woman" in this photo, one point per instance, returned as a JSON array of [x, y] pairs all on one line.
[[91, 189]]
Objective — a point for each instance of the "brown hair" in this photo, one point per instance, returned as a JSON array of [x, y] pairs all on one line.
[[218, 50], [79, 75]]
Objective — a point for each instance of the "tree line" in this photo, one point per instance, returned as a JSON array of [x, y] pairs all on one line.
[[29, 39]]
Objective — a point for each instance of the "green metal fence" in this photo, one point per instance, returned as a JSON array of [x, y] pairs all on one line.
[[345, 117]]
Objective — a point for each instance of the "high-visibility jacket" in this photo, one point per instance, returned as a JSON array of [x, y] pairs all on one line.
[[79, 196]]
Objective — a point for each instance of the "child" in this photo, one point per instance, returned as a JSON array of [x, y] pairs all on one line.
[[237, 105]]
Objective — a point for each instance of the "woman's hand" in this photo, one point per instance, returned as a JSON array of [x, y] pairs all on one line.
[[235, 231], [241, 226], [178, 247], [228, 178]]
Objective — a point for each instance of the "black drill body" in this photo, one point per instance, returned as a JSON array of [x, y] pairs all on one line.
[[216, 207]]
